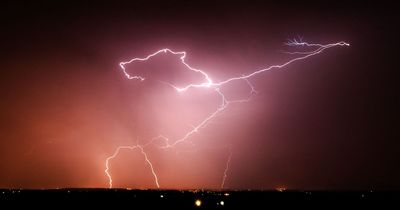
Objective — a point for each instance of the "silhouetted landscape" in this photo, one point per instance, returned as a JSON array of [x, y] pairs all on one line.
[[193, 199]]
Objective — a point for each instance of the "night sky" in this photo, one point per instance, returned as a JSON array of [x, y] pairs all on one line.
[[329, 122]]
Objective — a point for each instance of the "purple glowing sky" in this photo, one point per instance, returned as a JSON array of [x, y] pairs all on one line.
[[325, 122]]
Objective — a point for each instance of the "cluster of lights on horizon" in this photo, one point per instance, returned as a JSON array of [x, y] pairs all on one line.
[[208, 83]]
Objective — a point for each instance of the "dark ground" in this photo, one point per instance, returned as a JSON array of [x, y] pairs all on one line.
[[186, 199]]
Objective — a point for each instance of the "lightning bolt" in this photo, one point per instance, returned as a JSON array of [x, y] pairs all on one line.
[[313, 49], [228, 163], [130, 148]]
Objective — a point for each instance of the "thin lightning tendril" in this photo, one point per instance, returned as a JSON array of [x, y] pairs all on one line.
[[228, 163], [209, 83]]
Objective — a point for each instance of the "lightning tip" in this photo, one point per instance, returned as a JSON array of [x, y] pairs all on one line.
[[342, 43]]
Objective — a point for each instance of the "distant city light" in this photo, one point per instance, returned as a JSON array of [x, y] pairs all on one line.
[[197, 203], [281, 189]]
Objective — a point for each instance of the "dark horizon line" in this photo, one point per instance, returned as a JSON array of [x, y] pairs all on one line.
[[201, 189]]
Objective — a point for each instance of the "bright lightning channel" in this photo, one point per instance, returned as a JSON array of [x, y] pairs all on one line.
[[209, 83]]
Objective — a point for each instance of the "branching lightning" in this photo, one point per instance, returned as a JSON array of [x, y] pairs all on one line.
[[130, 148], [208, 83]]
